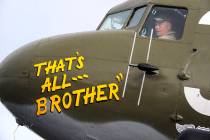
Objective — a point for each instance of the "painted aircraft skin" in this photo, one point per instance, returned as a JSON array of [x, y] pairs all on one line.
[[173, 101]]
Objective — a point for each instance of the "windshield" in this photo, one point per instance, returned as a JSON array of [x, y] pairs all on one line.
[[115, 21], [136, 17]]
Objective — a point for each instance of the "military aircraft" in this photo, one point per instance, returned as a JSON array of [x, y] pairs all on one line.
[[130, 79]]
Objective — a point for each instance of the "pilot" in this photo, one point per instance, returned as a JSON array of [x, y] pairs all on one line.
[[164, 27], [169, 24], [117, 22]]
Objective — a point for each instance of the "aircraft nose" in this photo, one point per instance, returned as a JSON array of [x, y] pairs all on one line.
[[15, 74]]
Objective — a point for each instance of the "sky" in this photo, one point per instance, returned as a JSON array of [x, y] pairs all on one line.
[[24, 21]]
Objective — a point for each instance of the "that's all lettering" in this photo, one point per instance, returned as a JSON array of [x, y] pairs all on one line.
[[85, 96]]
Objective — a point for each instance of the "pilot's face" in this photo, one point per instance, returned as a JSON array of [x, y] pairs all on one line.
[[162, 28]]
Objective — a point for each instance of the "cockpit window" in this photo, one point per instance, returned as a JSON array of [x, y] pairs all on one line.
[[115, 21], [136, 17], [166, 22]]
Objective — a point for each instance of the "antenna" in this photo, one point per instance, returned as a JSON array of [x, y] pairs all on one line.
[[148, 53], [128, 69]]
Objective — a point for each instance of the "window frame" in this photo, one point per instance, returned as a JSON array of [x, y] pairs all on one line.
[[132, 15], [150, 8]]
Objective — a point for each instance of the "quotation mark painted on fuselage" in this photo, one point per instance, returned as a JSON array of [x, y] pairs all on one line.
[[119, 77], [80, 77]]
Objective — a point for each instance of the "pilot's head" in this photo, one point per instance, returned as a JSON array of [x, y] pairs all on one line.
[[164, 26], [169, 24], [116, 22]]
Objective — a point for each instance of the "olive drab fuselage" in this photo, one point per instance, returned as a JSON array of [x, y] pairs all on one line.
[[114, 84]]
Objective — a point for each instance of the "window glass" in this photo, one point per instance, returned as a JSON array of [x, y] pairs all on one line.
[[166, 22], [136, 17], [115, 21]]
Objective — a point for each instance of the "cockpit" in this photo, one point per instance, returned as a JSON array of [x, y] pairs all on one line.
[[167, 22]]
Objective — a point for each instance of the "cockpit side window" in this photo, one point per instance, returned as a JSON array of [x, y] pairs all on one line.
[[136, 17], [166, 22], [115, 21]]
